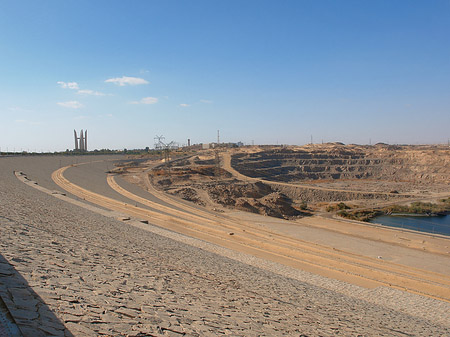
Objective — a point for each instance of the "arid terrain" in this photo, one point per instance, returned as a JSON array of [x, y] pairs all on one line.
[[126, 246], [289, 182]]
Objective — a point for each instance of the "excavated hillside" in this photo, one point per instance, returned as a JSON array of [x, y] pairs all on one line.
[[293, 181], [198, 180], [424, 164]]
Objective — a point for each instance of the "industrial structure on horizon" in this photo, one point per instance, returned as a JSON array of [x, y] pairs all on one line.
[[80, 142]]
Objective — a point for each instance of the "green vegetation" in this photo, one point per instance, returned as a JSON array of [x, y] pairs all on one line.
[[365, 215], [443, 206], [421, 208], [303, 205], [138, 152], [337, 207]]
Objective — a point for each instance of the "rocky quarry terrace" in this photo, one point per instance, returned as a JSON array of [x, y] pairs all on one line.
[[330, 162], [280, 181]]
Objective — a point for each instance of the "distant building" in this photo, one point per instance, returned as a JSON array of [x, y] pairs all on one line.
[[80, 142]]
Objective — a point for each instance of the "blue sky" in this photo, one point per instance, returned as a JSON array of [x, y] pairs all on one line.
[[264, 71]]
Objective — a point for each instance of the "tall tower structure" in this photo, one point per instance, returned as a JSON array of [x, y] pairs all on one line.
[[80, 142], [76, 140]]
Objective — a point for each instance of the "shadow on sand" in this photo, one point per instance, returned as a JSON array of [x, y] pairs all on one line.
[[23, 307]]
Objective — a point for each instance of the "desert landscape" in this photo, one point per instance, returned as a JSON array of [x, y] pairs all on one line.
[[293, 181], [244, 246], [224, 168]]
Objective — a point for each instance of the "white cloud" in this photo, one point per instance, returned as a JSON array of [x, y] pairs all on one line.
[[146, 100], [68, 85], [184, 105], [149, 100], [90, 92], [206, 101], [125, 80], [71, 104]]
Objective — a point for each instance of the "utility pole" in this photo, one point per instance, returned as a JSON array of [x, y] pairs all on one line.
[[165, 148], [217, 157], [159, 142]]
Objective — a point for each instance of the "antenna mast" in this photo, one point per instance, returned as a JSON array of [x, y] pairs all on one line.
[[217, 157]]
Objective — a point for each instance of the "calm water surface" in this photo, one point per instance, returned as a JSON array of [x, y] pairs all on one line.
[[430, 224]]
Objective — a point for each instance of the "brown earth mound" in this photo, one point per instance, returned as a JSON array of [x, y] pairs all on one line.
[[294, 179], [253, 197], [189, 194]]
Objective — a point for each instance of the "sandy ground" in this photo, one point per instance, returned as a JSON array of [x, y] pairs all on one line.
[[375, 242], [351, 242], [91, 274]]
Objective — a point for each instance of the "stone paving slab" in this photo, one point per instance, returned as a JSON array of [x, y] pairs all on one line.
[[8, 326]]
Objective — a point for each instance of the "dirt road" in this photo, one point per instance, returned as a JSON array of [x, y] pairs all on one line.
[[249, 238]]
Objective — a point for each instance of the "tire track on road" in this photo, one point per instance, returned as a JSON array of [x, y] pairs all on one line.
[[275, 247]]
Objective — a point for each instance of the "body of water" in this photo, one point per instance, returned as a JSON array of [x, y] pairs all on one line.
[[429, 224]]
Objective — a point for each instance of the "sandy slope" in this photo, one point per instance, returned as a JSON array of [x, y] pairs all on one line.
[[101, 276]]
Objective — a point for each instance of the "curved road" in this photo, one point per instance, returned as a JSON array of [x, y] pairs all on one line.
[[247, 237]]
